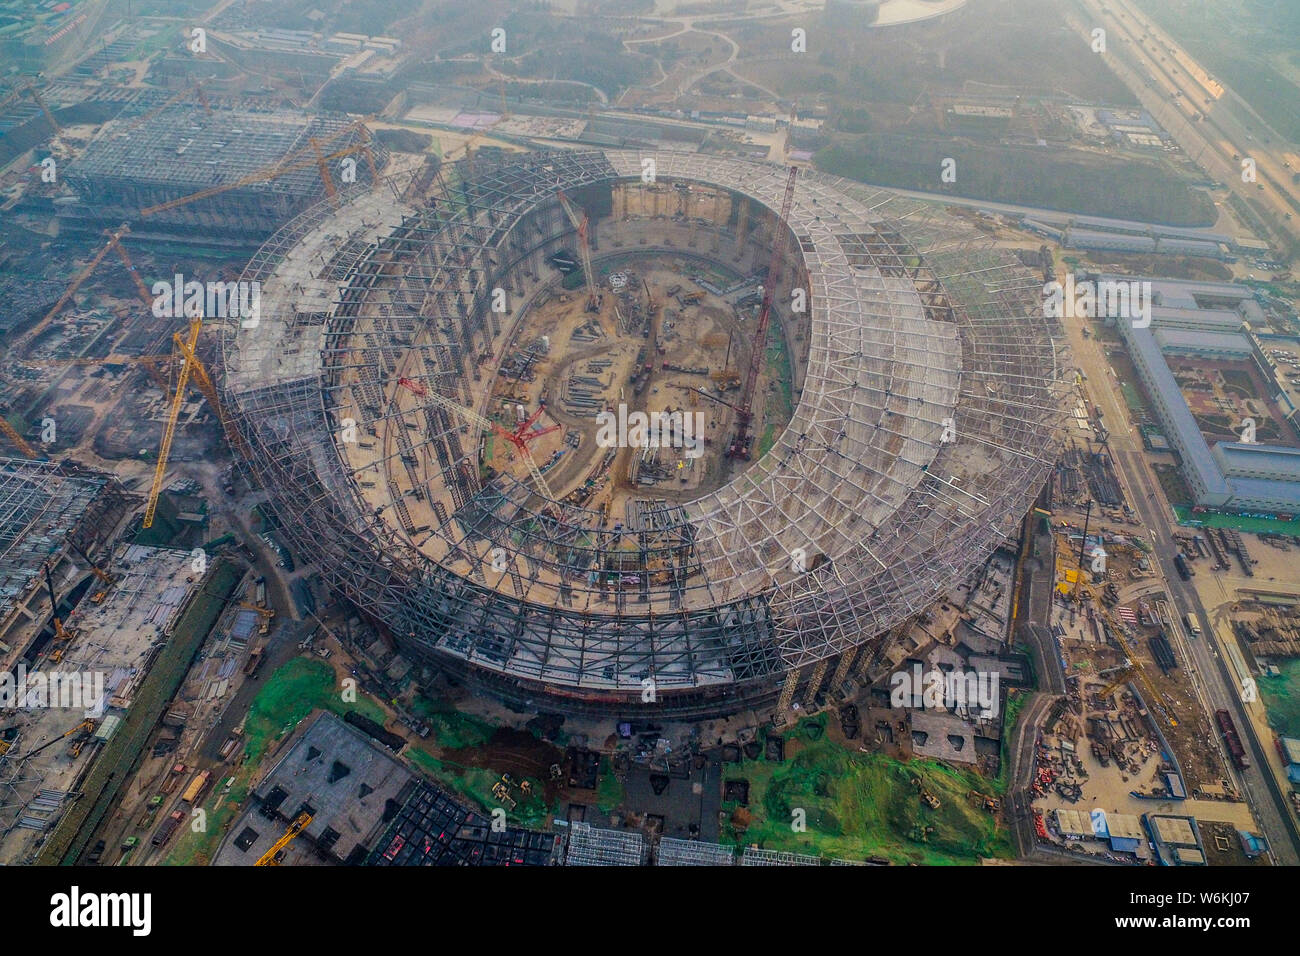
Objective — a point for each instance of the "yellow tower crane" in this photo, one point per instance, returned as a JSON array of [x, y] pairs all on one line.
[[165, 450], [28, 88], [26, 450], [20, 344], [192, 370], [300, 823]]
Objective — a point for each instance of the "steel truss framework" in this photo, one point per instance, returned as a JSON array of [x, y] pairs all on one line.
[[927, 422]]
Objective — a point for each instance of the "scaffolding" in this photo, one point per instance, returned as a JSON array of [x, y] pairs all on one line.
[[924, 427], [755, 857], [181, 149], [675, 852], [40, 507], [589, 846]]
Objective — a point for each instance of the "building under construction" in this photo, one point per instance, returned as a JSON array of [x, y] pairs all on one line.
[[927, 401], [252, 171], [47, 512]]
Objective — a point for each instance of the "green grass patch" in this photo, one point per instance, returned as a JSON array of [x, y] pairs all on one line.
[[610, 792], [453, 730], [291, 693], [781, 404], [1281, 696], [198, 849], [474, 784], [1240, 523], [858, 805], [1072, 181]]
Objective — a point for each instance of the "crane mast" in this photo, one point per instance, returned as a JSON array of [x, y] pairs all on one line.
[[178, 400], [758, 349], [580, 223]]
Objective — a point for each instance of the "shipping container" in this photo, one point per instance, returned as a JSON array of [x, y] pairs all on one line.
[[196, 787], [1231, 739]]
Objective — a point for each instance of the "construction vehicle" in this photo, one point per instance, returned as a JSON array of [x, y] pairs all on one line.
[[196, 786], [739, 447], [273, 856], [929, 799], [580, 223], [104, 577], [502, 793], [74, 750], [87, 726], [520, 437], [990, 803], [254, 663], [266, 614], [651, 303], [61, 633], [168, 827]]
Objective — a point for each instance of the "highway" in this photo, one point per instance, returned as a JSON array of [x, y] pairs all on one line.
[[1155, 68], [1212, 681]]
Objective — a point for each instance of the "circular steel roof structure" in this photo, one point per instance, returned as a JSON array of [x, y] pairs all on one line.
[[925, 426]]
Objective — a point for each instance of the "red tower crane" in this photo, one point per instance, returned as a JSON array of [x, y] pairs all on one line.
[[520, 437], [745, 412], [581, 224]]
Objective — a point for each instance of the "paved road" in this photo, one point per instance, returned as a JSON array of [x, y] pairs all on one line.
[[1214, 686], [1154, 74]]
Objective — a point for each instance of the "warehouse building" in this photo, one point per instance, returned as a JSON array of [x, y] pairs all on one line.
[[1212, 321]]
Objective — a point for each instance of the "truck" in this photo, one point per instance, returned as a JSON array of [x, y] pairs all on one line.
[[1180, 563], [196, 787], [1193, 628], [1231, 739], [174, 778], [168, 827], [254, 662]]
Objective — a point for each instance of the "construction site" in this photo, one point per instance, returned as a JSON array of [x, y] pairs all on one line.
[[870, 434], [186, 167], [110, 645]]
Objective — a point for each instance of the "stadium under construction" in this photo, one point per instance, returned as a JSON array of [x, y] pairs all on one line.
[[450, 490]]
